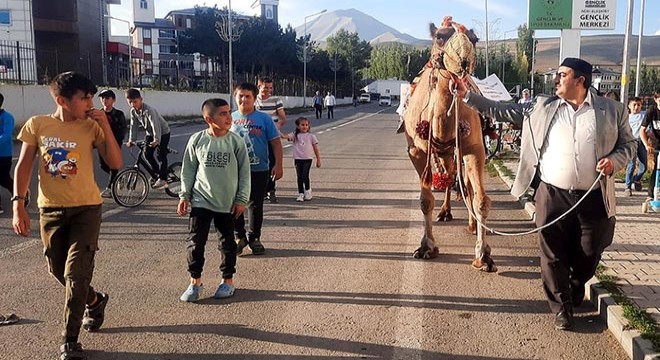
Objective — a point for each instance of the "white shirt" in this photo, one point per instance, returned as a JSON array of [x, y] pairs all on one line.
[[330, 100], [568, 156]]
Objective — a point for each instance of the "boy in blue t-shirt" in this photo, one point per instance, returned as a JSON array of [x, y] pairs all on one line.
[[635, 119], [6, 148], [258, 130]]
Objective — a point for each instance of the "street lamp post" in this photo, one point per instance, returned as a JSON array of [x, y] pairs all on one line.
[[225, 30], [486, 23], [130, 49], [305, 55]]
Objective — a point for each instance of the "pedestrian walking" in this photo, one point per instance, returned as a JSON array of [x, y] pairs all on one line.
[[6, 148], [157, 134], [69, 200], [305, 149], [635, 119], [567, 140], [118, 125], [649, 133], [257, 130], [215, 186], [330, 103], [318, 104], [273, 106], [525, 97]]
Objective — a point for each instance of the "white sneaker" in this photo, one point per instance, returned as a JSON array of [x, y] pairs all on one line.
[[107, 193], [307, 195], [160, 184], [300, 198]]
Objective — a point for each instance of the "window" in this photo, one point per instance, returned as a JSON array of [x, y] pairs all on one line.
[[168, 34], [147, 49], [188, 23], [143, 4], [167, 49], [5, 17], [148, 65], [146, 33]]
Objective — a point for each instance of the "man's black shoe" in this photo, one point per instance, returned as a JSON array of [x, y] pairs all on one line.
[[95, 315], [72, 351], [272, 198], [564, 320]]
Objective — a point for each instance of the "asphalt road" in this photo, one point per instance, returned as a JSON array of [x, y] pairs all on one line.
[[338, 280]]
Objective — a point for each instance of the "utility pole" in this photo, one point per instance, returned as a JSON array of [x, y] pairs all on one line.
[[226, 32], [639, 47], [626, 53]]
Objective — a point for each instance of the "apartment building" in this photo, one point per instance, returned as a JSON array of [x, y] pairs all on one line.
[[17, 56]]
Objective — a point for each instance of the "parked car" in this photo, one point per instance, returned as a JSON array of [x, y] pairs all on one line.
[[365, 98], [385, 100]]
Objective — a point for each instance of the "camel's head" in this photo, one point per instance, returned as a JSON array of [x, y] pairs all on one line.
[[453, 47]]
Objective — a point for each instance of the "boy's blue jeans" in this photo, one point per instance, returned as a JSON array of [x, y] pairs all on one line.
[[641, 155]]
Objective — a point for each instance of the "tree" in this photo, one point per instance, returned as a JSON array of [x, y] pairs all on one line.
[[388, 61], [356, 52], [525, 47]]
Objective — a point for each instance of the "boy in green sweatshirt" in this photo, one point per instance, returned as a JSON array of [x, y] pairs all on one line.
[[215, 186]]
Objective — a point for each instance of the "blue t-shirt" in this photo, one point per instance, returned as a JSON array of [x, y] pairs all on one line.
[[257, 129], [6, 133]]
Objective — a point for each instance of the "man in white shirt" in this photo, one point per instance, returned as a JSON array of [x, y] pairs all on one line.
[[525, 97], [330, 103], [273, 106], [567, 140]]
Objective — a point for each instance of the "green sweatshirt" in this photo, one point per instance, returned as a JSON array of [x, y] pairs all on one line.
[[215, 172]]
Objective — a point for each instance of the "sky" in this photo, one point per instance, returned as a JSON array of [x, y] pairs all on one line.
[[411, 16]]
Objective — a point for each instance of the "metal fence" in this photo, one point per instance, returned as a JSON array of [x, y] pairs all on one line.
[[17, 63], [25, 65]]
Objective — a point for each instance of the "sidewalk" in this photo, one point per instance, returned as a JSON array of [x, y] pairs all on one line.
[[634, 258]]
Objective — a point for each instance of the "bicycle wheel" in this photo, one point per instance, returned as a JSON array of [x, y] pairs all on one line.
[[492, 144], [130, 188], [173, 179]]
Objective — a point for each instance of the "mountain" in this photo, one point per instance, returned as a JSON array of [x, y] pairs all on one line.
[[600, 50], [352, 20]]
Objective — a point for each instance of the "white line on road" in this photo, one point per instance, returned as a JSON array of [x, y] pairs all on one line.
[[409, 333]]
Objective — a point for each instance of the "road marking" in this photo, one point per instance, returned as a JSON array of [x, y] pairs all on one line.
[[409, 333]]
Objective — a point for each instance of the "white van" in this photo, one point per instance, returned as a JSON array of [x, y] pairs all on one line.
[[365, 98]]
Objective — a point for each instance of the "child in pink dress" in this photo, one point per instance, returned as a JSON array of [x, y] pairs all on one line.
[[305, 148]]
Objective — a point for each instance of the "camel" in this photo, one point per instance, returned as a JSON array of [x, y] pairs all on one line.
[[431, 134]]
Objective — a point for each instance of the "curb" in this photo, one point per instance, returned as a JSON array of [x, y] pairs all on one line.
[[631, 340]]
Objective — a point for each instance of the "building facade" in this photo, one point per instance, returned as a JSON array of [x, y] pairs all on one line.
[[17, 56]]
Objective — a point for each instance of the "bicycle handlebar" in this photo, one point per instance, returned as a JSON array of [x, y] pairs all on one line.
[[141, 144]]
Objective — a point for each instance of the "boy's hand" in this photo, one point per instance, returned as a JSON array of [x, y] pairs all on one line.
[[129, 143], [318, 163], [237, 210], [97, 115], [21, 220], [182, 209], [154, 143], [277, 172]]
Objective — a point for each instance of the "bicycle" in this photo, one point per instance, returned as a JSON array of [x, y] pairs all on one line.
[[502, 134], [131, 186]]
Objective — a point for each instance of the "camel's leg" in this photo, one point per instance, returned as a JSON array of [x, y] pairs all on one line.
[[474, 168], [428, 248], [444, 214], [469, 200]]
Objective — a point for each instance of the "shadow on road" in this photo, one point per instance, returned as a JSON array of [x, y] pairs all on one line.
[[358, 348]]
